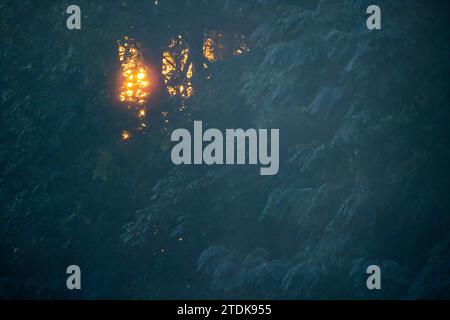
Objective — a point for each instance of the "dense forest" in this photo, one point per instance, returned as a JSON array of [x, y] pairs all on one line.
[[364, 149]]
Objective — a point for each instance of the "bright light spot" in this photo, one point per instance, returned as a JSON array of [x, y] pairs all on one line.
[[134, 83], [212, 45], [177, 70], [126, 135], [217, 45]]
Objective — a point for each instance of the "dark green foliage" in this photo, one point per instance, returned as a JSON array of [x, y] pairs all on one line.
[[363, 119]]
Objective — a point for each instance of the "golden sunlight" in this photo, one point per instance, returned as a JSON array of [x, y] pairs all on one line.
[[218, 45], [134, 82], [213, 46], [134, 85], [177, 69], [125, 135]]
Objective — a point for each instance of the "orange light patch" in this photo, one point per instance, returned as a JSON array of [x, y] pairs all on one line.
[[134, 79], [177, 69]]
